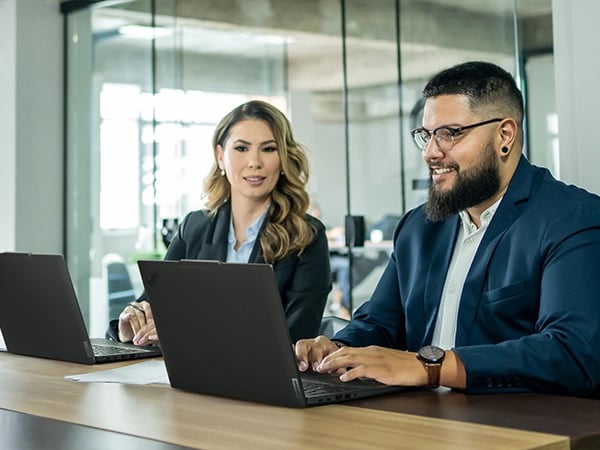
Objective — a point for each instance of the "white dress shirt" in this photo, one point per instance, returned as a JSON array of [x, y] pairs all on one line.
[[467, 242]]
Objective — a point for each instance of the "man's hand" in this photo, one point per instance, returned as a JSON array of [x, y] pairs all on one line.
[[310, 352], [388, 366], [385, 365]]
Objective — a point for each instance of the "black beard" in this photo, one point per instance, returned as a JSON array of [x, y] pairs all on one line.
[[473, 187]]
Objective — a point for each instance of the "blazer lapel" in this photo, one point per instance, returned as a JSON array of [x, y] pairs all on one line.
[[507, 213], [440, 261], [256, 256], [216, 238]]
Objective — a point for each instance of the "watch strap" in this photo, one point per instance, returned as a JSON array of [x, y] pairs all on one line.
[[432, 357], [433, 374]]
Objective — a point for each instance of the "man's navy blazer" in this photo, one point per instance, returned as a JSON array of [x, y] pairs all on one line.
[[529, 315]]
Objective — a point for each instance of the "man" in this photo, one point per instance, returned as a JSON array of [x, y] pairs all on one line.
[[495, 281]]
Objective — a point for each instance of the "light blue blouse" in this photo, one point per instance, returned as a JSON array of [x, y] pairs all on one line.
[[242, 255]]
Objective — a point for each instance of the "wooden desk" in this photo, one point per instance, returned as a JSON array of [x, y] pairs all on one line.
[[38, 387], [21, 431], [578, 418]]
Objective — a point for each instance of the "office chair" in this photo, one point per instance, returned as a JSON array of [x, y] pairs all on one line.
[[331, 325], [119, 286]]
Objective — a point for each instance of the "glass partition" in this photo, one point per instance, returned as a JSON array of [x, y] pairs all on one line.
[[147, 80], [407, 41], [139, 132], [113, 67]]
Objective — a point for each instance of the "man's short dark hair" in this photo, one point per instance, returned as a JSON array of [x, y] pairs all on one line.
[[485, 84]]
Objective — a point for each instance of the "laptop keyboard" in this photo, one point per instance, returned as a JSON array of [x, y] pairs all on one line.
[[312, 388], [104, 350]]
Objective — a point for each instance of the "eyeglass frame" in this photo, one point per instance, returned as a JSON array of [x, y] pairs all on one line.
[[453, 132]]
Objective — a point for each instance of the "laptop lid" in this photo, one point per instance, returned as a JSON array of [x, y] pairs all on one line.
[[40, 315], [223, 332]]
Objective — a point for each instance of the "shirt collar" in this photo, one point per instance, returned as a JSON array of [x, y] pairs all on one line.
[[251, 231], [485, 219]]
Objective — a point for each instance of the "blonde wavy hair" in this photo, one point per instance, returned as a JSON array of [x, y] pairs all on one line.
[[286, 229]]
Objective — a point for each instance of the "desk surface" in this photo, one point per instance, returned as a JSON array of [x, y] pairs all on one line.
[[37, 387], [26, 431], [578, 418]]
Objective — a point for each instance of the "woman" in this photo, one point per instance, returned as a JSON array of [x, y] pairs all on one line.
[[256, 212]]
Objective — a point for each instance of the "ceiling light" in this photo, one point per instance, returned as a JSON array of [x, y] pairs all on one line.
[[144, 31]]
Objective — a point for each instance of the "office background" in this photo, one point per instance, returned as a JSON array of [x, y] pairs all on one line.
[[346, 74]]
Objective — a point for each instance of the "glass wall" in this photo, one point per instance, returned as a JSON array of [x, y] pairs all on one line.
[[391, 52], [147, 80]]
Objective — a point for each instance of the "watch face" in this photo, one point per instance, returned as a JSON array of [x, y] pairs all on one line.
[[431, 354]]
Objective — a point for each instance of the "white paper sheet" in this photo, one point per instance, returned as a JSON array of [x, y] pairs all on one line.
[[2, 344], [152, 371]]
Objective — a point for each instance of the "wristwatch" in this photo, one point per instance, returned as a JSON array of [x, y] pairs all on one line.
[[432, 357]]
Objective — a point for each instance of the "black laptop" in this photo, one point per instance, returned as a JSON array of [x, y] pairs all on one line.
[[40, 314], [223, 332]]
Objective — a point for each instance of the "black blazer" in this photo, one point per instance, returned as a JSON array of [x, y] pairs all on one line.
[[304, 281]]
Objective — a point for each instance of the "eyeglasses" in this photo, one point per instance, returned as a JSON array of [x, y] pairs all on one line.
[[444, 136]]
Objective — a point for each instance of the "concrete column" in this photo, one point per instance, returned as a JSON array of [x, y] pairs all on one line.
[[577, 71], [8, 50], [31, 116]]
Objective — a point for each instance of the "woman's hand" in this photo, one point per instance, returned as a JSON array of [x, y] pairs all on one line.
[[136, 324]]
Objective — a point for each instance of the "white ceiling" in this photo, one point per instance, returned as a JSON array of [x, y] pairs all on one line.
[[314, 59], [525, 8]]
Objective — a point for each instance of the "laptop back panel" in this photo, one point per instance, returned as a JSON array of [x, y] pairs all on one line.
[[34, 310], [40, 315], [222, 331]]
